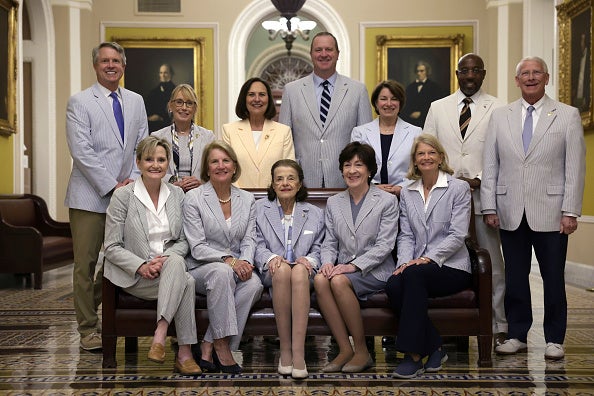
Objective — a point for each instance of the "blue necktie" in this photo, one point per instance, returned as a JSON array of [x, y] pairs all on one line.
[[289, 255], [527, 131], [325, 102], [117, 112]]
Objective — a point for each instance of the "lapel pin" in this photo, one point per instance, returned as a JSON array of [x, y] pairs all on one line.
[[266, 137]]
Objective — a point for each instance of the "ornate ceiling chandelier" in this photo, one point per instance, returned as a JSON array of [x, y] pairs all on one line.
[[289, 26]]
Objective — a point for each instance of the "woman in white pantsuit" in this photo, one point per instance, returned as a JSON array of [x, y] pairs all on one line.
[[145, 248], [220, 224]]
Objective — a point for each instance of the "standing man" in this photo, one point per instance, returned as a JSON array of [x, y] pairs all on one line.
[[460, 123], [533, 184], [420, 94], [322, 109], [104, 123]]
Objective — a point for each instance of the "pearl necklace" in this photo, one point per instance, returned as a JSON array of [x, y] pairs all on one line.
[[224, 201]]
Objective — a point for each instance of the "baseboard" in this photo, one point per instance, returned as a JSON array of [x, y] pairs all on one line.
[[580, 275]]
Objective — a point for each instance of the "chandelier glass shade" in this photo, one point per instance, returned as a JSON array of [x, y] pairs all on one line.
[[288, 26]]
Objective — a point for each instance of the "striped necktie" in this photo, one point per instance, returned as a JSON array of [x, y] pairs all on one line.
[[325, 102], [465, 116]]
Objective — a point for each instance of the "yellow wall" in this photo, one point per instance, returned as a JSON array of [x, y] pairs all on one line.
[[588, 205], [7, 169]]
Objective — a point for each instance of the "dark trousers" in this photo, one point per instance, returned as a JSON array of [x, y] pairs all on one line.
[[409, 294], [551, 251]]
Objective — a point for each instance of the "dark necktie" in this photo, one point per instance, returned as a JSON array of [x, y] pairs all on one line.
[[325, 102], [527, 131], [465, 116], [117, 112]]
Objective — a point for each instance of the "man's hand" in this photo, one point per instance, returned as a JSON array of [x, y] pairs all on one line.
[[568, 225]]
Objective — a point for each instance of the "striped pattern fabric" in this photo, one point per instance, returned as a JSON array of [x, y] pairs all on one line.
[[325, 102], [465, 116]]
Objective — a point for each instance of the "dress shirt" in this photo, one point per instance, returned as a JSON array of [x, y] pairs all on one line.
[[442, 181], [107, 94], [159, 232], [472, 105], [535, 113], [318, 82]]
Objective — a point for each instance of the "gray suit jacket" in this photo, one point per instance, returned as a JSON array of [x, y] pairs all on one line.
[[439, 232], [308, 232], [126, 234], [317, 147], [545, 182], [465, 155], [366, 243], [399, 156], [203, 137], [100, 158], [209, 237]]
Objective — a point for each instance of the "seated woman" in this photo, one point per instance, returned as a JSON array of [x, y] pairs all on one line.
[[145, 248], [187, 140], [220, 224], [289, 234], [361, 228], [390, 136], [258, 140], [432, 257]]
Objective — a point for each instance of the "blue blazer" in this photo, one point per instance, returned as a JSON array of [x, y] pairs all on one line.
[[399, 156], [308, 232], [438, 233], [100, 159], [208, 235], [368, 242]]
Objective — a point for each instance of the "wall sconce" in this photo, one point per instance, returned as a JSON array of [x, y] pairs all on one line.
[[289, 26]]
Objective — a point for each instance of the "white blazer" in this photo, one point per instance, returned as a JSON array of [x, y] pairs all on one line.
[[399, 156], [465, 156]]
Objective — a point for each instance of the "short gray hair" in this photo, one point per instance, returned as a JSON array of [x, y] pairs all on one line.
[[112, 45], [543, 64]]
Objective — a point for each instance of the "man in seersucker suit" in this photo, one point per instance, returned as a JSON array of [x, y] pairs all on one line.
[[102, 147], [464, 147], [532, 190], [319, 138]]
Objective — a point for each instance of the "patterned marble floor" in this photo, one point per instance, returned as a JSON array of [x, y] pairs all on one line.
[[39, 355]]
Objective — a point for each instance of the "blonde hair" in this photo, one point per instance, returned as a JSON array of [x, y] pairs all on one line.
[[149, 144], [219, 145], [413, 171]]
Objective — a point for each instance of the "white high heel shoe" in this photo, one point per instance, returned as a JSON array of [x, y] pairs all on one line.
[[299, 373], [284, 370]]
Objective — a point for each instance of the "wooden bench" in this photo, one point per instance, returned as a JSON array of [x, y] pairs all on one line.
[[30, 240], [467, 313]]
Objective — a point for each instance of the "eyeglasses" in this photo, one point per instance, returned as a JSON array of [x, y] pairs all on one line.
[[179, 103], [475, 70], [288, 179], [535, 73]]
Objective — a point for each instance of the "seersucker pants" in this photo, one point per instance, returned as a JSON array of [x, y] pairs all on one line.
[[229, 300]]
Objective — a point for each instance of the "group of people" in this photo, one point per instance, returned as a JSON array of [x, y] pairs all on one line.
[[177, 220]]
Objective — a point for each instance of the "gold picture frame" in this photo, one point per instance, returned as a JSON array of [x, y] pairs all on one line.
[[145, 55], [398, 55], [8, 66], [575, 57]]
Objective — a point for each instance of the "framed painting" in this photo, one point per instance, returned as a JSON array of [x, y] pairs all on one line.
[[145, 62], [424, 65], [575, 57], [8, 40]]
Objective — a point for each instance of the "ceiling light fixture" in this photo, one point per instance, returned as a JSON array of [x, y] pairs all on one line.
[[289, 26]]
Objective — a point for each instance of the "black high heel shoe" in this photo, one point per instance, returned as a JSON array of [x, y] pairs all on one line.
[[232, 369], [205, 365]]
